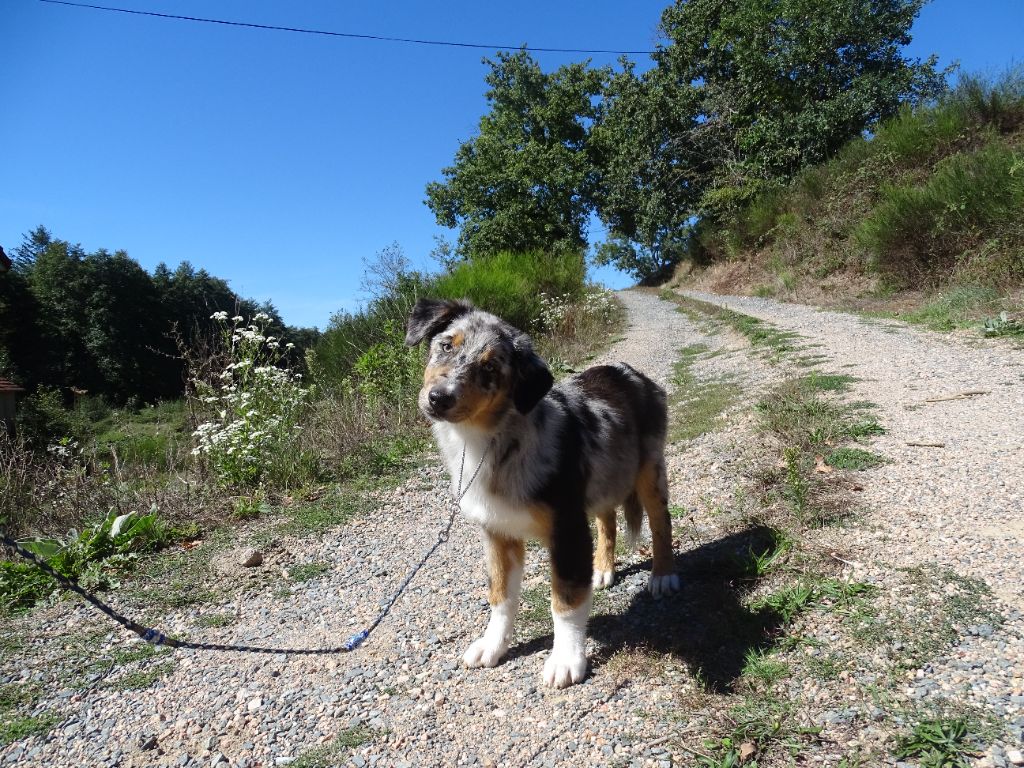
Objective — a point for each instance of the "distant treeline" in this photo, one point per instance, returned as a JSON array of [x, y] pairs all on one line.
[[101, 323]]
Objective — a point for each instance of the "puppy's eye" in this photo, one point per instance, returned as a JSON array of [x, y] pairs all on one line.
[[488, 368], [446, 346]]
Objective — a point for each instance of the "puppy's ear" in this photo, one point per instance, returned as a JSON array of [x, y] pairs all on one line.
[[431, 316], [533, 379]]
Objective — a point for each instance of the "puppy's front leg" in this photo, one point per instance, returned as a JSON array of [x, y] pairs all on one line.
[[505, 559], [571, 595]]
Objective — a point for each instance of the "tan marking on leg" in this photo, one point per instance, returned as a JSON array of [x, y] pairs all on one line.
[[604, 554], [652, 488], [567, 596], [502, 556], [542, 522]]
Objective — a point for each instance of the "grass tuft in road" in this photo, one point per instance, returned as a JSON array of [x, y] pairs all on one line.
[[696, 405]]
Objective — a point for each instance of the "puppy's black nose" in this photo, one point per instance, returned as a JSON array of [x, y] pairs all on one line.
[[441, 400]]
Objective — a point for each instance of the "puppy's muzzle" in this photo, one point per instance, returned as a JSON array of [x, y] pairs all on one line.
[[440, 400]]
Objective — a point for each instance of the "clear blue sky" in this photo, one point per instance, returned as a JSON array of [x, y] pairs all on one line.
[[280, 161]]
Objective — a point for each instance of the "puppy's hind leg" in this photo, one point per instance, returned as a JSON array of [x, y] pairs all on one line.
[[652, 488], [505, 559], [604, 555]]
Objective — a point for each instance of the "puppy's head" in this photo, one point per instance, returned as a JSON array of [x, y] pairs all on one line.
[[479, 366]]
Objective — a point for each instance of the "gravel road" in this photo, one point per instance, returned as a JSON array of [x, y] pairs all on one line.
[[405, 695]]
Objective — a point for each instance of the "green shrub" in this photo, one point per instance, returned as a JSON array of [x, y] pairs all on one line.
[[350, 335], [389, 372], [43, 419], [919, 228], [917, 135], [510, 284], [999, 103]]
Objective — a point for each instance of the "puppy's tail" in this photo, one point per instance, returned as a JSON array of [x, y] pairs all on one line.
[[633, 511]]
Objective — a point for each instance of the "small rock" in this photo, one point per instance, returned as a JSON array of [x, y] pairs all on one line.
[[147, 741], [284, 760], [254, 704], [249, 558], [1015, 756], [217, 759]]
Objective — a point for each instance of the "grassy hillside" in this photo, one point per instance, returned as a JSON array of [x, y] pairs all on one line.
[[925, 218]]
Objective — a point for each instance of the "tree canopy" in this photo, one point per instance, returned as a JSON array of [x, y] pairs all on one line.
[[523, 182], [743, 94]]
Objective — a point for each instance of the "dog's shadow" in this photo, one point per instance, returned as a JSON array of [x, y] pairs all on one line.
[[705, 625]]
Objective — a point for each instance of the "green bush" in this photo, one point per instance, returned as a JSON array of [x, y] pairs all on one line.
[[43, 419], [917, 135], [921, 226], [113, 543], [510, 284], [350, 335], [999, 104]]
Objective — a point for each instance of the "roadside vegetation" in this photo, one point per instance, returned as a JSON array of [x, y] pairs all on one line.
[[98, 490], [920, 218]]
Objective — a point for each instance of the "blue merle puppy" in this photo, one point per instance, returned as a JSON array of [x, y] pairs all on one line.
[[551, 457]]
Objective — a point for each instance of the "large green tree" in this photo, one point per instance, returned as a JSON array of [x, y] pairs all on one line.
[[524, 181], [743, 95], [653, 169]]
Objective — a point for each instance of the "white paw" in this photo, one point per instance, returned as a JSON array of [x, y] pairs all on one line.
[[484, 653], [663, 585], [566, 668], [603, 579]]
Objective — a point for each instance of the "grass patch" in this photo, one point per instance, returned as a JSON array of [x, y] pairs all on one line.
[[535, 608], [937, 744], [142, 678], [18, 727], [830, 382], [210, 620], [696, 407], [942, 606], [308, 571], [758, 563], [814, 593], [959, 307], [330, 754], [16, 700], [758, 725], [853, 458], [760, 334], [638, 663], [763, 668]]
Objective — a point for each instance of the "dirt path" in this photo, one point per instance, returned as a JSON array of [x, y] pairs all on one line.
[[404, 698], [953, 492]]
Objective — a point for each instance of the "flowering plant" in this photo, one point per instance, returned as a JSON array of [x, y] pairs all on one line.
[[253, 406]]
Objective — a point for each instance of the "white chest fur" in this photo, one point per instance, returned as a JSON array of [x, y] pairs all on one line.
[[496, 513]]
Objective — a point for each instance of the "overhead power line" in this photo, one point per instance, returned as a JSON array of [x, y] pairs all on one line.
[[329, 33]]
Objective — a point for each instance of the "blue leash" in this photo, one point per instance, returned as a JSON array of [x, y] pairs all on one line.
[[156, 637]]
